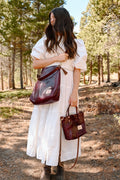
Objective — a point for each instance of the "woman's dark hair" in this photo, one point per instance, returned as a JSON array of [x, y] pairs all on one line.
[[63, 27]]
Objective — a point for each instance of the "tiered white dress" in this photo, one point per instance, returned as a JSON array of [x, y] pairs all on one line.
[[44, 130]]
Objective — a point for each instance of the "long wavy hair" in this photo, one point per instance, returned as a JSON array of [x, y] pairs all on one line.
[[63, 28]]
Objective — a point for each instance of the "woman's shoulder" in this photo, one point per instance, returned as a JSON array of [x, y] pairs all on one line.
[[42, 39], [79, 41], [40, 42]]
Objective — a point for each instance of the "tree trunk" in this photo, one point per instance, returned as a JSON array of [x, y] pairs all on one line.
[[108, 67], [21, 70], [26, 74], [29, 66], [99, 70], [84, 79], [102, 76], [38, 30], [13, 64], [30, 73], [90, 80], [1, 72], [117, 2], [118, 72], [9, 75]]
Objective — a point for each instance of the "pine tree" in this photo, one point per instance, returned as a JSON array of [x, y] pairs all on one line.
[[99, 27], [22, 23]]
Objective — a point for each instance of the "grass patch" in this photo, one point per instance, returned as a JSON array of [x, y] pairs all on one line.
[[15, 93], [8, 112]]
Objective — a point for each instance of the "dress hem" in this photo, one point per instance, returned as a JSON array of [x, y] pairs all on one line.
[[48, 163]]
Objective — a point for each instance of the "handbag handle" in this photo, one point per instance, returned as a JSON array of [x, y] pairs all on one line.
[[67, 112]]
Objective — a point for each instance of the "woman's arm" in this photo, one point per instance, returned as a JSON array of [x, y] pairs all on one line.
[[76, 80], [41, 63]]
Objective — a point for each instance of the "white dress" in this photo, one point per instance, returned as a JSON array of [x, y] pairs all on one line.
[[44, 129]]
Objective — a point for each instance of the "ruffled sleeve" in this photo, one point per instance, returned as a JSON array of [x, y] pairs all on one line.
[[38, 51], [81, 57]]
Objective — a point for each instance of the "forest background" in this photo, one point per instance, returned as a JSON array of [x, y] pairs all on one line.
[[22, 23]]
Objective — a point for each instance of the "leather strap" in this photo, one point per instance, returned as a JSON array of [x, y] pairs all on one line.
[[60, 149], [54, 70], [65, 72], [67, 112]]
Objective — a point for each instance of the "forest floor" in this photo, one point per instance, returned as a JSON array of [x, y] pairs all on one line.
[[100, 159]]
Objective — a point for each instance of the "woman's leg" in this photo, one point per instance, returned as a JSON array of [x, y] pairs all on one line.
[[60, 172], [46, 172]]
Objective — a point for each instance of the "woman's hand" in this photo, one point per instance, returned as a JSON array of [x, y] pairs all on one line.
[[73, 99], [62, 57]]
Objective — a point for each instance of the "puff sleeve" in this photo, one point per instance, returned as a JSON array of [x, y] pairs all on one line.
[[81, 57], [38, 51]]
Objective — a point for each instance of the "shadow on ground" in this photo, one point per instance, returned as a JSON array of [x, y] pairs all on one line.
[[100, 158]]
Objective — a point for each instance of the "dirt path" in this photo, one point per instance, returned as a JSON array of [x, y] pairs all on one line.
[[100, 158]]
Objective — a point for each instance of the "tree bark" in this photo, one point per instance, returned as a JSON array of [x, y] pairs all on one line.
[[38, 30], [119, 74], [30, 72], [21, 62], [90, 80], [102, 75], [1, 72], [26, 74], [9, 74], [13, 64], [99, 70], [108, 67], [117, 2], [118, 71], [84, 79]]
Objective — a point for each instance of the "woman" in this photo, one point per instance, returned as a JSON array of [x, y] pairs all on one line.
[[57, 47]]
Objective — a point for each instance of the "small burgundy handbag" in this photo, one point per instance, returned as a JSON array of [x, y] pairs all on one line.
[[47, 87], [73, 125]]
